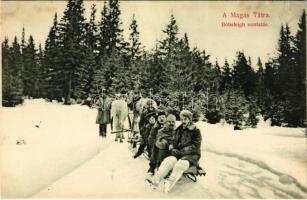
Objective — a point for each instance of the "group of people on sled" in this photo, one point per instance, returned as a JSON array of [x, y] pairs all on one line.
[[171, 150]]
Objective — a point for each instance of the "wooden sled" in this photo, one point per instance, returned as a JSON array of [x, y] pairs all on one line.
[[193, 172], [124, 130]]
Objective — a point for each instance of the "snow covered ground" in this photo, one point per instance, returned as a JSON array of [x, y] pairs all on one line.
[[64, 157]]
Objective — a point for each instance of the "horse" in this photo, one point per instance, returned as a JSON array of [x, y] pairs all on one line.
[[119, 114]]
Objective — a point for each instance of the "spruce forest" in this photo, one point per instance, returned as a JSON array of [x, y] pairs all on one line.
[[80, 56]]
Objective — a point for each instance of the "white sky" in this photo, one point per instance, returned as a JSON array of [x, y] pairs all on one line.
[[201, 20]]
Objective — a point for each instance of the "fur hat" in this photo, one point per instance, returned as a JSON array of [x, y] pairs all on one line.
[[170, 117], [161, 112], [186, 113], [151, 114], [151, 109]]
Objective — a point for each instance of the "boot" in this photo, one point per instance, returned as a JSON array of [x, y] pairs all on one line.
[[140, 151], [152, 185]]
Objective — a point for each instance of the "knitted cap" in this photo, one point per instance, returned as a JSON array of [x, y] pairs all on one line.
[[186, 113]]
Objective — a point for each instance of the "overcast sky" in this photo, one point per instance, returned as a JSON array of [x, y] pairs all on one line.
[[201, 20]]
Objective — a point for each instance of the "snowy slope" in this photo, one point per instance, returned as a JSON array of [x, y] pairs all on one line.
[[69, 160]]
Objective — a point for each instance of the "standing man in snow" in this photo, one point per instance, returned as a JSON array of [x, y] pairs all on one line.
[[184, 154], [103, 116]]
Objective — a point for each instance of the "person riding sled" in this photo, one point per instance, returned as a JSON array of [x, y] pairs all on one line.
[[184, 153], [148, 108], [152, 140], [145, 131], [164, 140]]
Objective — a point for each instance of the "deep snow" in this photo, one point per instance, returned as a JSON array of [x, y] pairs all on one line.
[[64, 157]]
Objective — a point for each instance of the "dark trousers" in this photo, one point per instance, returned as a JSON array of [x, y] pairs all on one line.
[[153, 159], [161, 154], [103, 130], [141, 150], [157, 156]]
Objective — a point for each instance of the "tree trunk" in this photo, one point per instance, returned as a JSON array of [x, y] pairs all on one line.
[[68, 94]]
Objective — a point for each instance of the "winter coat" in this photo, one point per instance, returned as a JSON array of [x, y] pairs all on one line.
[[145, 131], [188, 142], [104, 114], [164, 138], [153, 134]]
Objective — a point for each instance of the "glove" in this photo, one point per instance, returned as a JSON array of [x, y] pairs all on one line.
[[175, 152]]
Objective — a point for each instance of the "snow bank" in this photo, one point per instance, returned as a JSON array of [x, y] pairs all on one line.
[[57, 139], [279, 148]]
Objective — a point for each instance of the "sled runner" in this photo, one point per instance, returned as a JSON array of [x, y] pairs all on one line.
[[193, 172]]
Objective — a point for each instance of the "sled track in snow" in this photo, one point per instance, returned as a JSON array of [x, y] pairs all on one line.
[[71, 170], [282, 185]]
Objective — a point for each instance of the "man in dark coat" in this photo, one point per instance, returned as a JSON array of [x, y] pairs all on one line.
[[103, 117], [145, 131], [184, 153], [152, 140], [164, 139], [144, 115]]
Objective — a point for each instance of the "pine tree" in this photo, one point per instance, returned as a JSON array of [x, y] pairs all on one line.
[[13, 87], [40, 67], [270, 78], [217, 66], [201, 71], [6, 72], [116, 40], [181, 66], [171, 31], [168, 51], [260, 87], [300, 69], [22, 50], [287, 78], [235, 108], [91, 50], [52, 70], [153, 73], [134, 54], [30, 74], [111, 34], [285, 64], [134, 41], [111, 75], [111, 45], [104, 31], [73, 51], [226, 78], [243, 75]]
